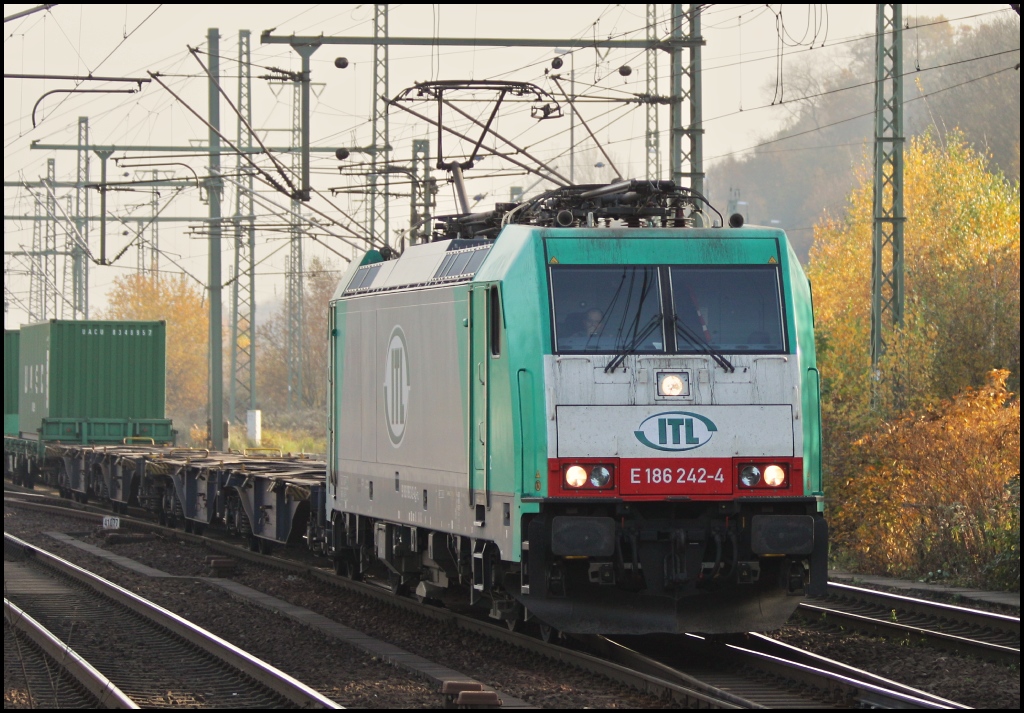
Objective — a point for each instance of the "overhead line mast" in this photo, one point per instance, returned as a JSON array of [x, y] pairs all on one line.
[[887, 224], [80, 282], [215, 188], [687, 141], [294, 293], [653, 137], [379, 179], [243, 289]]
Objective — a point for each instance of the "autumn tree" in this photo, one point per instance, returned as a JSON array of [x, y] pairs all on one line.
[[962, 283], [958, 81], [937, 494], [179, 302], [962, 320], [320, 280]]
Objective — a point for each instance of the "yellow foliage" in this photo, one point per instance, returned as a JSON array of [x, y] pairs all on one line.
[[179, 302], [294, 441], [962, 319], [278, 393], [937, 492], [962, 276]]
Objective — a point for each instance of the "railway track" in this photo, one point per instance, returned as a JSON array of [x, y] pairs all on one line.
[[103, 630], [987, 635], [763, 673], [36, 679], [702, 696]]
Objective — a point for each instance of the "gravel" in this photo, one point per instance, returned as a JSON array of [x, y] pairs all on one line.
[[346, 675], [962, 679], [338, 671], [354, 679]]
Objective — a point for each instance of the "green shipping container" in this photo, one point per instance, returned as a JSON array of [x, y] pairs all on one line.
[[11, 346], [81, 375]]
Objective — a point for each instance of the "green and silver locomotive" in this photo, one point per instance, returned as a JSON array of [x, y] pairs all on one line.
[[584, 409]]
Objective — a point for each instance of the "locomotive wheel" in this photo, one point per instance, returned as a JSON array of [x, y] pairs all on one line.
[[515, 619], [548, 633], [397, 587], [345, 567]]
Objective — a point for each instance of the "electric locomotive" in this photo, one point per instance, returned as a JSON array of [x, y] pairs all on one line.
[[586, 408]]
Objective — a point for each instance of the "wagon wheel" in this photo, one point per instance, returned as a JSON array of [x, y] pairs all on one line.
[[245, 530], [178, 513]]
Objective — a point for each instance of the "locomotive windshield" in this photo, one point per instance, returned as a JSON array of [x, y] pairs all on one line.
[[734, 309], [619, 309], [607, 308]]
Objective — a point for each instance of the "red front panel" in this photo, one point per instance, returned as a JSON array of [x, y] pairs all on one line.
[[654, 478], [676, 476]]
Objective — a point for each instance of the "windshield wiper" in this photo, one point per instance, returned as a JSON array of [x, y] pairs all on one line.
[[635, 342], [703, 345]]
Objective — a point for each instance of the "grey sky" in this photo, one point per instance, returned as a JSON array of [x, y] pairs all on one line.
[[741, 60]]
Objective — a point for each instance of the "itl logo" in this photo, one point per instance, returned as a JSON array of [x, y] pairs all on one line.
[[396, 386], [675, 431]]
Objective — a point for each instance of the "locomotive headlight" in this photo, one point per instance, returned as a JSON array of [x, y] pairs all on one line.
[[600, 476], [672, 385], [751, 475], [774, 476], [575, 476]]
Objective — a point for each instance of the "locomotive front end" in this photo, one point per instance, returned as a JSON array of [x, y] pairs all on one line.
[[683, 488]]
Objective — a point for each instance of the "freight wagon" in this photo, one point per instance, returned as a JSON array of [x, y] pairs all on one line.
[[81, 382], [593, 409]]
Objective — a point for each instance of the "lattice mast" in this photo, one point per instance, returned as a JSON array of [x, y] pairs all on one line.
[[887, 295], [687, 152], [379, 179], [653, 138], [294, 267], [243, 334]]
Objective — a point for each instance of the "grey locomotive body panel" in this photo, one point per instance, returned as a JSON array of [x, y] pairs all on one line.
[[401, 450]]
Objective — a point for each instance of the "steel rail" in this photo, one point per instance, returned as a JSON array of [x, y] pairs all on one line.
[[769, 645], [983, 634], [692, 693], [822, 680], [915, 605], [864, 691], [298, 693], [690, 696], [623, 664], [99, 686]]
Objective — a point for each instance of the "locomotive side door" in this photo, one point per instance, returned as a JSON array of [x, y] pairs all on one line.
[[479, 406]]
